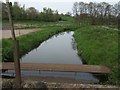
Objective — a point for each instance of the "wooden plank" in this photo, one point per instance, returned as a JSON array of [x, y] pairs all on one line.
[[59, 67]]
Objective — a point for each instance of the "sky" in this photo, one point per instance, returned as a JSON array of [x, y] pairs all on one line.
[[63, 6]]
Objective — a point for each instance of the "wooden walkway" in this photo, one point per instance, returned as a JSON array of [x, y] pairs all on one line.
[[59, 67]]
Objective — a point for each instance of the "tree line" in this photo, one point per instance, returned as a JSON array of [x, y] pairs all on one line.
[[96, 13], [20, 13]]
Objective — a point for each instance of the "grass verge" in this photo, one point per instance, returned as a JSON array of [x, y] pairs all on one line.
[[99, 46]]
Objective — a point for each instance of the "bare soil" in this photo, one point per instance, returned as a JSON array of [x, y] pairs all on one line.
[[49, 83], [7, 33]]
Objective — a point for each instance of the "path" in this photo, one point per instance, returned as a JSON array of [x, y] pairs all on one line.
[[7, 33]]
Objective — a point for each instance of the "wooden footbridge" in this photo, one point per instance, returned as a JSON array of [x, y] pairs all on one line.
[[58, 67]]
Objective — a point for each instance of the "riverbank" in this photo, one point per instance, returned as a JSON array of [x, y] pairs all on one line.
[[96, 45], [31, 41], [50, 83], [99, 46]]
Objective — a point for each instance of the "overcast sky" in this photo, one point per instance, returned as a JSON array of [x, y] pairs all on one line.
[[62, 6]]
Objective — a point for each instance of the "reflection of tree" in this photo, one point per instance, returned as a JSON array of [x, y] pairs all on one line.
[[56, 35], [62, 33], [68, 32], [74, 44]]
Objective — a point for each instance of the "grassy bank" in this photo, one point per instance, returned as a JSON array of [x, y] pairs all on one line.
[[99, 46], [96, 45], [31, 41]]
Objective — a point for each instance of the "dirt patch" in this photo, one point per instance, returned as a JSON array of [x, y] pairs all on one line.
[[49, 85], [7, 33], [53, 79], [11, 83]]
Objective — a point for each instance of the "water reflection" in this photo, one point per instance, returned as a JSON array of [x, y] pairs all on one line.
[[74, 44], [60, 49], [83, 77]]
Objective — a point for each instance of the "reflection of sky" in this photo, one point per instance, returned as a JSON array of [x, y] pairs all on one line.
[[59, 49], [62, 6], [83, 77]]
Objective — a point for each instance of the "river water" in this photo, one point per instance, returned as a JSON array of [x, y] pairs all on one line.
[[59, 49]]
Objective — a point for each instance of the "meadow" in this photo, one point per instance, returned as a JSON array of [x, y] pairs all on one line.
[[96, 45]]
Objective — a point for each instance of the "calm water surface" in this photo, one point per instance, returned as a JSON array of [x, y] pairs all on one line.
[[60, 49]]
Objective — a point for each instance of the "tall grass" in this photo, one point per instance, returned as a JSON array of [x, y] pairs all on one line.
[[31, 41], [100, 47], [96, 45]]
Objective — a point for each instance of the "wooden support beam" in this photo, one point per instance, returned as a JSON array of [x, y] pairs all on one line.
[[60, 67]]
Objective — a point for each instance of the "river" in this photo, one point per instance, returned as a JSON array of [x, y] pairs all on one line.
[[59, 49]]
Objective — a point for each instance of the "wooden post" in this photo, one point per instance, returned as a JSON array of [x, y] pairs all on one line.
[[16, 49], [118, 80]]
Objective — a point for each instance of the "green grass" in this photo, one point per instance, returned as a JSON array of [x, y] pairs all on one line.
[[67, 18], [96, 45], [99, 47], [113, 26], [31, 41], [29, 24]]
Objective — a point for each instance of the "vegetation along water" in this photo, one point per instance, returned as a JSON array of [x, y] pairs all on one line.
[[96, 33]]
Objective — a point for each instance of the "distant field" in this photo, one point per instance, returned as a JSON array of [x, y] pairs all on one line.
[[28, 24]]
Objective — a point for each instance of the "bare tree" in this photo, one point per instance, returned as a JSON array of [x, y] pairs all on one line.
[[81, 7], [97, 13], [76, 11], [75, 8]]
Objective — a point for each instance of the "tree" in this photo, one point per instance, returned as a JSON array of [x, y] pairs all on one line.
[[68, 14], [4, 11], [32, 13], [16, 11], [96, 13], [49, 15], [19, 13], [23, 13], [76, 12], [75, 8], [81, 7]]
